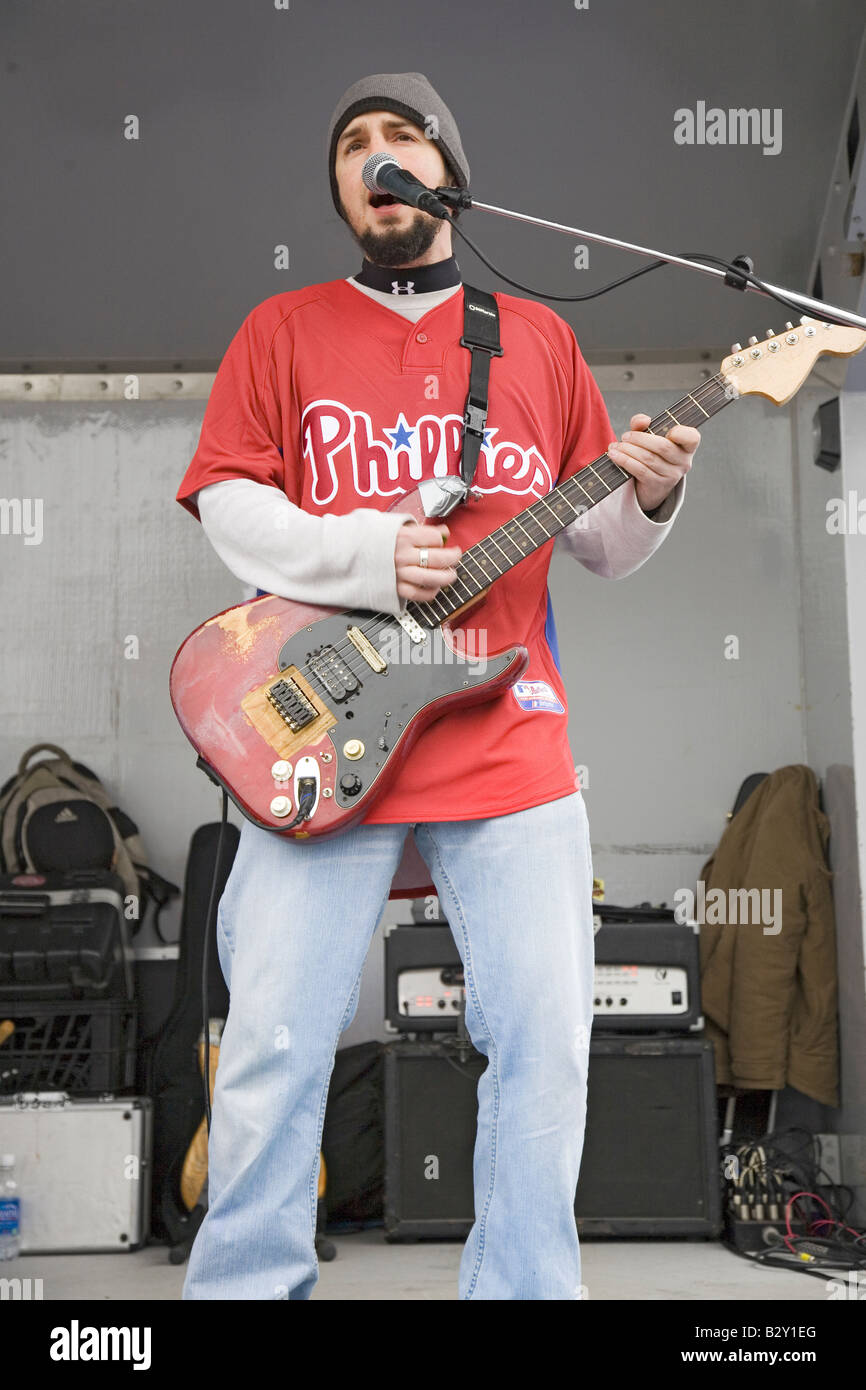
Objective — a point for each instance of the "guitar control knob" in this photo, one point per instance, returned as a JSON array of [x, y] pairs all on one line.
[[353, 748], [280, 806], [350, 783], [281, 769]]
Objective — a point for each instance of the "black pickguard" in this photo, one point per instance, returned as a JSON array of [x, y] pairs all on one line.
[[378, 706]]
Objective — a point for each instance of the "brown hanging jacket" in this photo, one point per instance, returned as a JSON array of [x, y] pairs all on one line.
[[770, 996]]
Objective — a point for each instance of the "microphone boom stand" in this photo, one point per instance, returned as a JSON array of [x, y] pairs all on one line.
[[460, 198]]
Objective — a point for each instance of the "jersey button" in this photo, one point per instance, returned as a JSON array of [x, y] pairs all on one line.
[[420, 337]]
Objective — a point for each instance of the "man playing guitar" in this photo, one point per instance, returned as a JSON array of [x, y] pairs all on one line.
[[331, 402]]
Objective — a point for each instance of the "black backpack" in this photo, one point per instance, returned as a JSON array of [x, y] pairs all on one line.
[[57, 815]]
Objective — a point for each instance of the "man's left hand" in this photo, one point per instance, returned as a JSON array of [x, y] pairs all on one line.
[[655, 461]]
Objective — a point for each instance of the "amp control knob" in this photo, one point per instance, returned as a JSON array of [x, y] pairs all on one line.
[[350, 783]]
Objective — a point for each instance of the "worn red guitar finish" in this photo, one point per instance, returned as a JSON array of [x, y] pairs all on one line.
[[227, 673]]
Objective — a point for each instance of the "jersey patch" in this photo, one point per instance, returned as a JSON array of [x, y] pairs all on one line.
[[537, 695]]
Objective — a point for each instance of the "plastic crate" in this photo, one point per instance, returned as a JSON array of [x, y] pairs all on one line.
[[81, 1046]]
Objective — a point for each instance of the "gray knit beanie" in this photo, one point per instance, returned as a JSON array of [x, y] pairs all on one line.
[[408, 94]]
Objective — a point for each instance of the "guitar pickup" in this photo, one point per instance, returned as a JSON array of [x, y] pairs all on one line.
[[362, 644], [411, 627], [336, 678]]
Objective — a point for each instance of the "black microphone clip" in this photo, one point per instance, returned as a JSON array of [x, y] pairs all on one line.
[[454, 197]]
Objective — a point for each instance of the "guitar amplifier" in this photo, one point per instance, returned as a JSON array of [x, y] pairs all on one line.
[[424, 990], [647, 975], [650, 1157], [647, 971]]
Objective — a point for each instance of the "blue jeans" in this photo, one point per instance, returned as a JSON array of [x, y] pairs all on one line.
[[294, 926]]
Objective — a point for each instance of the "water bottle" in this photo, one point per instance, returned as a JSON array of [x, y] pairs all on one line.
[[10, 1209]]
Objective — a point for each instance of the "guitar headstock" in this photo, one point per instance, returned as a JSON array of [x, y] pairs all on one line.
[[777, 367]]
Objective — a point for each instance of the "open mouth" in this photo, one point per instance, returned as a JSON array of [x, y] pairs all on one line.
[[383, 200]]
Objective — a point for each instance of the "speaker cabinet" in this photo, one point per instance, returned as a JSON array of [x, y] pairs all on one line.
[[650, 1159]]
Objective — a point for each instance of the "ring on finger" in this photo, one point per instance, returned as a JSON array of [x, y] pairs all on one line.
[[423, 558]]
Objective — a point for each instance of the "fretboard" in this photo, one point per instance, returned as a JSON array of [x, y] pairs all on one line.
[[490, 558]]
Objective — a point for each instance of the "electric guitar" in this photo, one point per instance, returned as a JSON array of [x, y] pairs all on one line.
[[304, 713]]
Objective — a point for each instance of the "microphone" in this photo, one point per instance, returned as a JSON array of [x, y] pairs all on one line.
[[383, 174]]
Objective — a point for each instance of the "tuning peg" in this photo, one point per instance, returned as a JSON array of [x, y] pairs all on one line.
[[770, 333], [736, 347], [752, 340], [789, 325], [805, 319]]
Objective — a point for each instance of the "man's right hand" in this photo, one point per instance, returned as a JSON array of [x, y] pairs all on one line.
[[424, 582]]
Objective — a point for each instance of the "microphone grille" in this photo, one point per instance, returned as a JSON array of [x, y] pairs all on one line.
[[372, 167]]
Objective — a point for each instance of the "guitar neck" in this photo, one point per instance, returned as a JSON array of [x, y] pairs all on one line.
[[538, 523]]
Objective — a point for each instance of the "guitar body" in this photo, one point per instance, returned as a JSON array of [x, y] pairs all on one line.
[[275, 696]]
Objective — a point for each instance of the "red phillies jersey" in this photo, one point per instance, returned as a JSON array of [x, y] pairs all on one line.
[[332, 397]]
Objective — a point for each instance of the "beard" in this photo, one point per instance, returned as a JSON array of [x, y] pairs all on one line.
[[397, 246]]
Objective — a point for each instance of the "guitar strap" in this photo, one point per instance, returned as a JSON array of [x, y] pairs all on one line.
[[481, 336]]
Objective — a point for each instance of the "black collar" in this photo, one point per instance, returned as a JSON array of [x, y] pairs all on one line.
[[416, 279]]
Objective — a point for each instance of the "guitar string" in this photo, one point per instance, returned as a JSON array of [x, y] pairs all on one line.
[[682, 406], [379, 621]]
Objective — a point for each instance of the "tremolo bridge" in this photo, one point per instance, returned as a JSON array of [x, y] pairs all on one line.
[[328, 671]]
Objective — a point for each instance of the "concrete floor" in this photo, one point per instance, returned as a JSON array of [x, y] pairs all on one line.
[[367, 1268]]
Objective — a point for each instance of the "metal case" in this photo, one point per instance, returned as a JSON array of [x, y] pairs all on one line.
[[83, 1169]]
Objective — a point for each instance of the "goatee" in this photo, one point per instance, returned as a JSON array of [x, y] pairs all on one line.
[[397, 246]]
